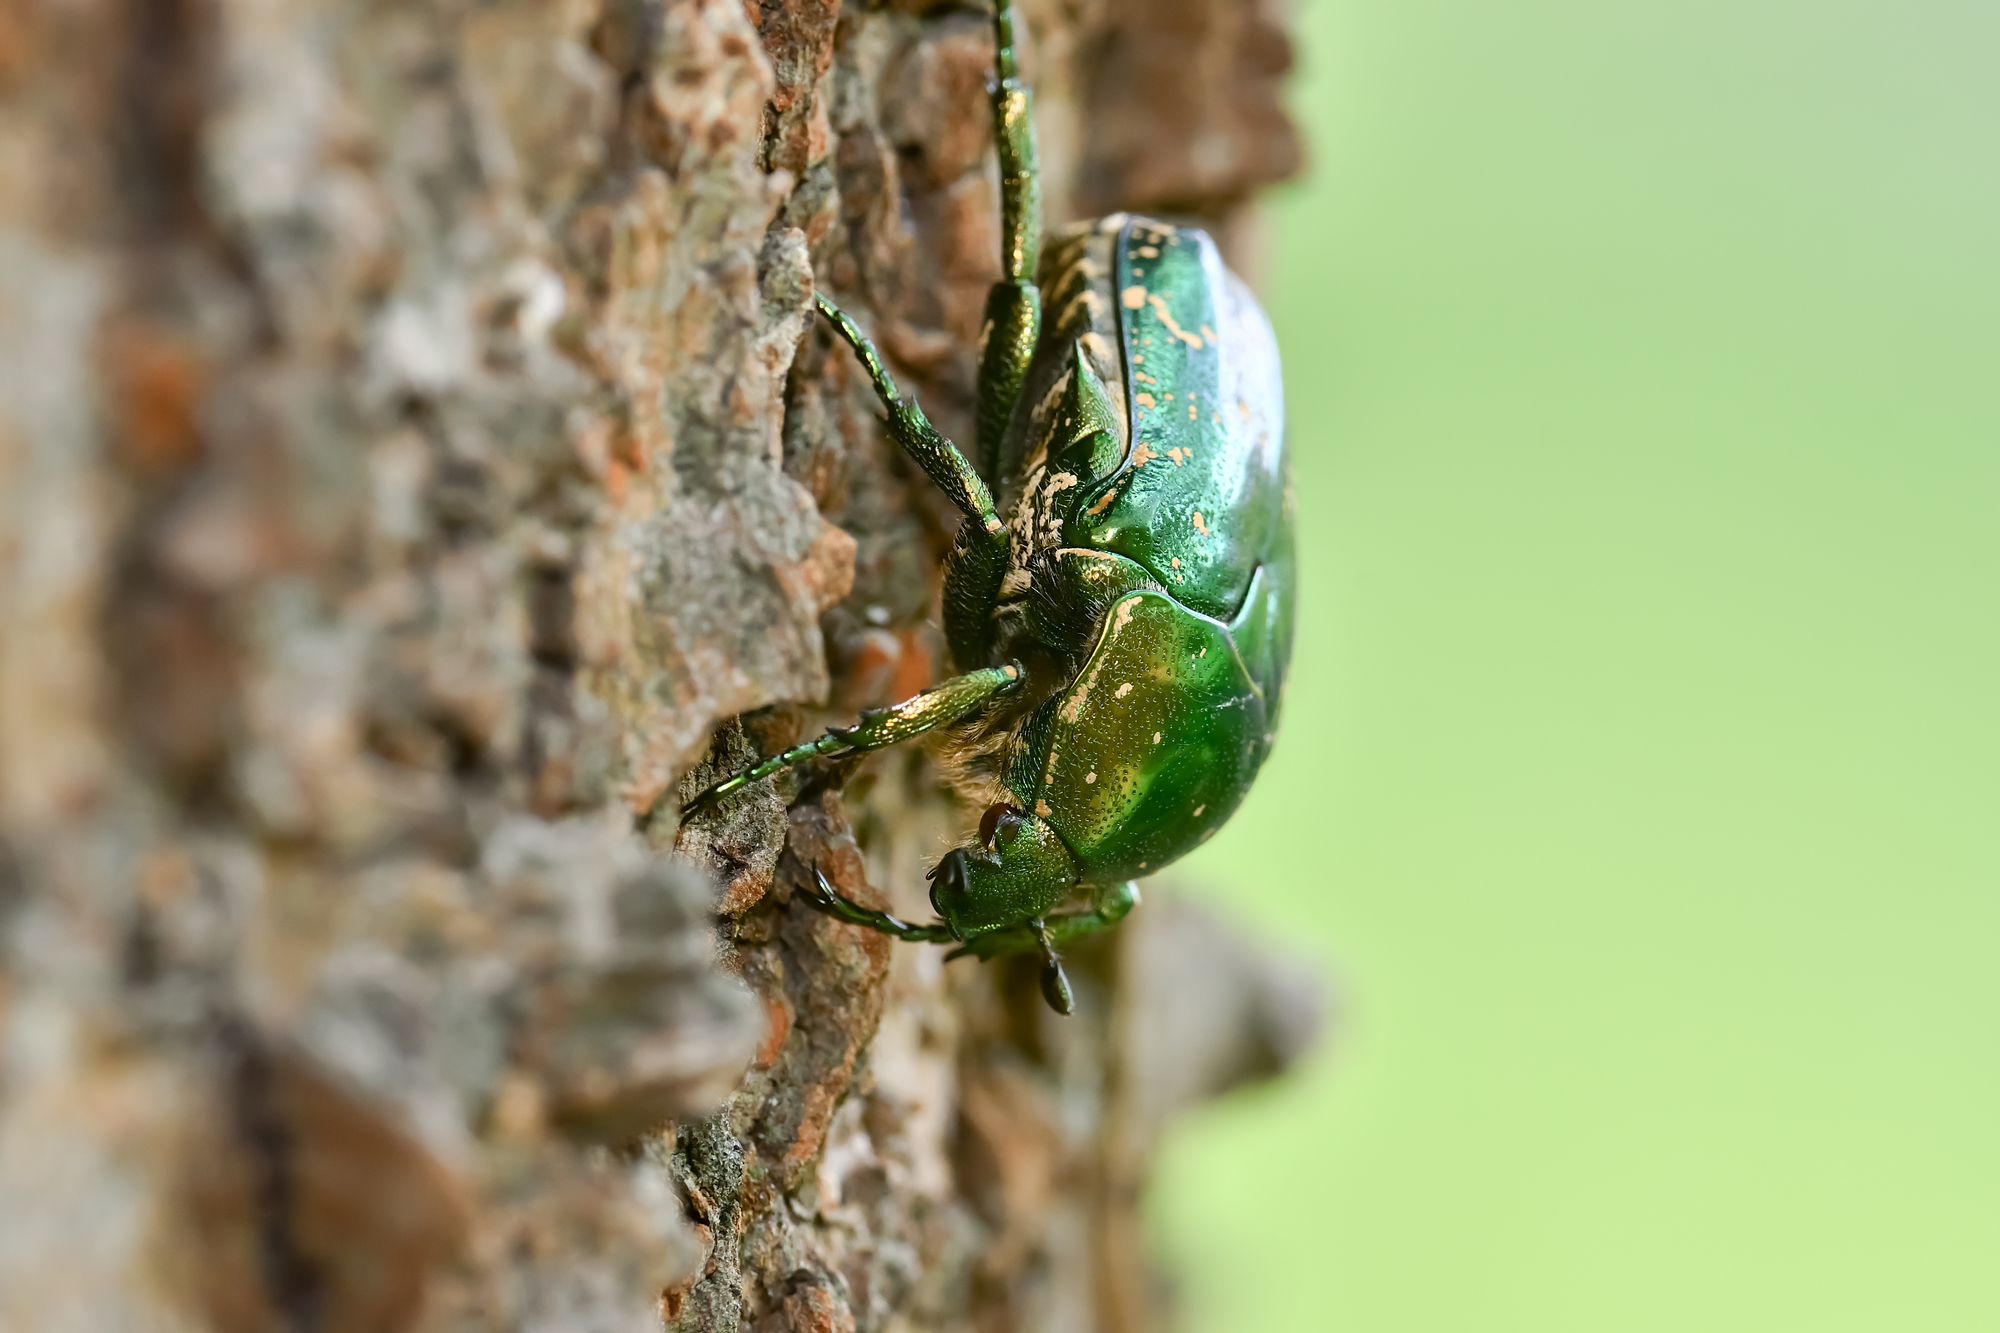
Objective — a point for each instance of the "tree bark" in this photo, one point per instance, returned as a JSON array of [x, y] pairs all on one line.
[[419, 472]]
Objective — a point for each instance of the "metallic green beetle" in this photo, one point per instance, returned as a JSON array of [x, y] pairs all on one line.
[[1123, 608]]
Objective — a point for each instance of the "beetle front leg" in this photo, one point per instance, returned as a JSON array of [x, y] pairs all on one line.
[[1111, 905], [945, 702], [823, 897], [1045, 935]]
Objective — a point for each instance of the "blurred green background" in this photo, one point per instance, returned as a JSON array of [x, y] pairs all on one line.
[[1640, 780]]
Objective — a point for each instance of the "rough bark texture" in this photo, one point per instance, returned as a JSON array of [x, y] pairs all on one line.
[[414, 446]]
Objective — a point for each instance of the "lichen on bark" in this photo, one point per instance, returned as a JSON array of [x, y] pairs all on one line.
[[419, 470]]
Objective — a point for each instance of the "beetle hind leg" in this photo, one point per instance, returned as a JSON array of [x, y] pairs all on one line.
[[1013, 318], [1014, 134]]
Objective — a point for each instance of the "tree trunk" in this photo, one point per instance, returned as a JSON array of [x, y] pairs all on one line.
[[414, 444]]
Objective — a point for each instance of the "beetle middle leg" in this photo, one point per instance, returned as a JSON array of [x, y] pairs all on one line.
[[881, 727], [911, 429], [979, 558]]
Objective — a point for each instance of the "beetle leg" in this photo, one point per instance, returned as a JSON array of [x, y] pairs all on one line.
[[1008, 333], [1014, 132], [938, 457], [941, 703], [823, 897], [1111, 906], [1014, 306]]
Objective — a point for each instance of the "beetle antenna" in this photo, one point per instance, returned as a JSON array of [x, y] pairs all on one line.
[[1055, 982]]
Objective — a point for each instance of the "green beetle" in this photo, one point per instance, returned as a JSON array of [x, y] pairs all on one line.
[[1122, 608]]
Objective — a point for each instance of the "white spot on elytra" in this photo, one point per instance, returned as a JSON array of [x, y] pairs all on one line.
[[1090, 777], [1122, 690], [1198, 809], [1166, 316], [1156, 738]]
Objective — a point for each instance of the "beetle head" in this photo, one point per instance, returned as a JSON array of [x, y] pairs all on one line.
[[1020, 871]]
